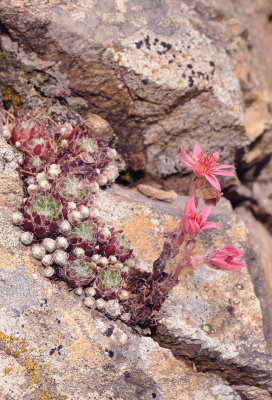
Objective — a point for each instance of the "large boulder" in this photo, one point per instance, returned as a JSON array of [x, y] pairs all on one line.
[[148, 69]]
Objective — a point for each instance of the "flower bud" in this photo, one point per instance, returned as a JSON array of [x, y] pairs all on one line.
[[27, 238], [54, 171], [47, 260], [130, 263], [96, 258], [78, 252], [65, 226], [60, 257], [32, 189], [118, 265], [89, 302], [84, 211], [40, 176], [94, 187], [64, 143], [112, 260], [38, 251], [78, 291], [71, 206], [18, 144], [17, 218], [123, 295], [103, 261], [6, 133], [49, 245], [100, 304], [61, 243], [74, 217], [44, 184], [48, 272], [104, 234], [102, 180], [90, 291]]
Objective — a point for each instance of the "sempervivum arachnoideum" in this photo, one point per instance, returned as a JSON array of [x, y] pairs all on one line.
[[109, 282], [72, 188], [84, 235], [118, 245], [25, 129], [42, 215], [78, 272]]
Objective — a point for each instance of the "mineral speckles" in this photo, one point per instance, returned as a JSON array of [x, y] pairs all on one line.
[[174, 63]]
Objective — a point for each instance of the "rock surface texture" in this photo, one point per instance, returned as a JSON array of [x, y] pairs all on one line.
[[52, 347]]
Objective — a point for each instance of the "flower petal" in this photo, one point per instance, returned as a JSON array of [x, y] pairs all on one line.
[[208, 225], [220, 166], [223, 173], [186, 156], [190, 207], [205, 213], [197, 150], [185, 163], [213, 181], [216, 155]]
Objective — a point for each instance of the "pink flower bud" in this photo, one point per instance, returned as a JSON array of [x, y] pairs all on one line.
[[224, 258]]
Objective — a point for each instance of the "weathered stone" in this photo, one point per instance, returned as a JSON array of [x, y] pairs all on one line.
[[147, 70], [260, 266]]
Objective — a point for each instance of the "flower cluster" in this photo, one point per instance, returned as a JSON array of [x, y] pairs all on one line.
[[185, 238]]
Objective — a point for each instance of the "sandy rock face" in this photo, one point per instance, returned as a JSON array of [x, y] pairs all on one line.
[[147, 69]]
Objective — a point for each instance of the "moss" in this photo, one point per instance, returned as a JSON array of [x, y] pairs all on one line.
[[10, 96]]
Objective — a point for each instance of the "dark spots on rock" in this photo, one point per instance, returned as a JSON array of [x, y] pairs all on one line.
[[239, 286], [58, 321], [199, 74], [59, 347], [170, 61], [145, 81], [156, 40], [108, 332], [159, 52], [147, 42], [230, 310], [174, 55], [52, 351], [153, 395], [189, 66], [139, 44], [212, 64], [22, 326], [167, 46], [110, 353], [191, 81], [183, 75], [193, 72], [41, 305], [126, 375], [207, 77], [188, 47]]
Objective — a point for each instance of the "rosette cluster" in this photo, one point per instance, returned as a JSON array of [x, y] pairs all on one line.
[[62, 170]]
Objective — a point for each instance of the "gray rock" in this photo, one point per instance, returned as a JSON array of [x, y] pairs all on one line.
[[150, 71]]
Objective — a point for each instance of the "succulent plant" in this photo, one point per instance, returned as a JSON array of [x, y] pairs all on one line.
[[119, 246], [108, 282], [84, 235], [78, 272], [42, 214], [68, 187]]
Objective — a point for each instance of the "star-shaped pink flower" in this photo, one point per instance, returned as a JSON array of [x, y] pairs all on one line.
[[192, 223], [205, 166], [224, 258]]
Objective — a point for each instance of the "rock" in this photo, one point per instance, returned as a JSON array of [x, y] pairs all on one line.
[[53, 347], [260, 266], [153, 73]]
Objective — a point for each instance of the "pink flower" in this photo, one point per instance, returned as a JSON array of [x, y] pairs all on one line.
[[193, 223], [224, 258], [205, 166]]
